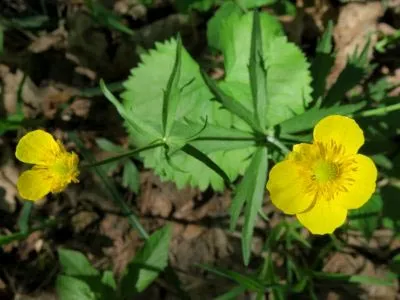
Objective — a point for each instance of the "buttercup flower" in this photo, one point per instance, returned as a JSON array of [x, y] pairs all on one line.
[[54, 167], [319, 182]]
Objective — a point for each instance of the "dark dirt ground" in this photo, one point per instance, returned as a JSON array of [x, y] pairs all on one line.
[[70, 55]]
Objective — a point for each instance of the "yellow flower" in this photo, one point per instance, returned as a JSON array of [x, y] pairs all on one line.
[[54, 167], [319, 182]]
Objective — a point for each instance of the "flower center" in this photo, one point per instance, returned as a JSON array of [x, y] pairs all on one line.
[[325, 171]]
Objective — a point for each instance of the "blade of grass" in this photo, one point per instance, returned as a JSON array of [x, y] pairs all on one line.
[[196, 153], [5, 239], [354, 278], [310, 118], [233, 293], [230, 104], [2, 29], [258, 73], [172, 94], [23, 221], [110, 188], [254, 197], [245, 280]]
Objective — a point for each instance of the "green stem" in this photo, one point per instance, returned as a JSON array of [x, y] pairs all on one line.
[[285, 150], [118, 157], [269, 139], [96, 91], [378, 111]]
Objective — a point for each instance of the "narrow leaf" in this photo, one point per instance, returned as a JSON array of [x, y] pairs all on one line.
[[23, 221], [134, 122], [191, 150], [310, 118], [244, 189], [172, 93], [233, 293], [354, 278], [230, 104], [254, 197], [248, 281], [258, 73]]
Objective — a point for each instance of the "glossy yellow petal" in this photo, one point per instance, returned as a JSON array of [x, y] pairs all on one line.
[[324, 217], [37, 147], [35, 184], [340, 131], [363, 183], [287, 189]]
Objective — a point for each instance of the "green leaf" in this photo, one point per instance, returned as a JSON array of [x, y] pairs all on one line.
[[253, 193], [145, 104], [310, 118], [70, 288], [258, 73], [74, 263], [2, 30], [196, 153], [255, 3], [6, 239], [227, 10], [172, 93], [23, 221], [230, 104], [286, 64], [133, 120], [108, 280], [147, 264], [248, 281], [131, 177], [32, 22], [395, 264], [369, 280], [107, 17], [322, 63], [109, 146], [232, 294], [366, 218]]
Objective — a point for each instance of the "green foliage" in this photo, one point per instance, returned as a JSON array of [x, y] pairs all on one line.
[[147, 264], [250, 193], [75, 263], [130, 173], [80, 280], [310, 118], [107, 17], [228, 31], [247, 281], [144, 105]]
